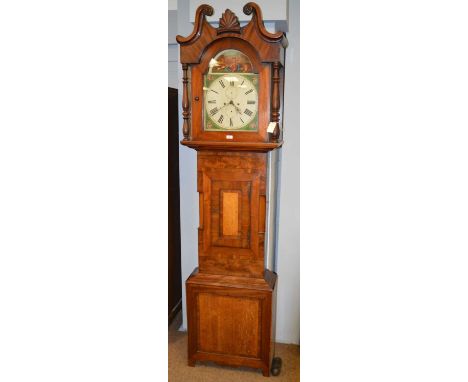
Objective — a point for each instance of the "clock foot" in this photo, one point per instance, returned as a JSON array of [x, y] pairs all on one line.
[[276, 366]]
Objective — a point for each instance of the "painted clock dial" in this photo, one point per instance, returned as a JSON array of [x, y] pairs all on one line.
[[230, 93]]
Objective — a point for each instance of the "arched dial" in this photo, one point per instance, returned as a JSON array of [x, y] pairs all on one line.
[[231, 102]]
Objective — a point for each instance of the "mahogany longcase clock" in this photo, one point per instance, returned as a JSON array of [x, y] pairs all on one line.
[[231, 111]]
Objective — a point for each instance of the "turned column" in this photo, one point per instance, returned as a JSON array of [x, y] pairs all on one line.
[[275, 102], [185, 104]]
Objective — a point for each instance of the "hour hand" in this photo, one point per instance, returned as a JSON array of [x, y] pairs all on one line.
[[224, 105], [237, 109]]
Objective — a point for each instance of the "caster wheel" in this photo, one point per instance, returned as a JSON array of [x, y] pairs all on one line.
[[276, 366]]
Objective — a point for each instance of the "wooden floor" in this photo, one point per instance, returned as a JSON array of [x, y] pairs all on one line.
[[207, 372]]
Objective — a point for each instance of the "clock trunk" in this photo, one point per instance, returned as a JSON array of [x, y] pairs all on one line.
[[231, 233]]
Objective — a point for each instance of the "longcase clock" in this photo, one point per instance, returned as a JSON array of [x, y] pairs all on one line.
[[232, 91]]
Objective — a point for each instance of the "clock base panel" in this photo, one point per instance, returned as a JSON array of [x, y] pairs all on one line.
[[231, 319]]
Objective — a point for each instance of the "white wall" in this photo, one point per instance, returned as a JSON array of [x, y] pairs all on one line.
[[172, 66], [188, 179], [287, 326], [173, 48], [273, 11], [288, 249], [172, 4]]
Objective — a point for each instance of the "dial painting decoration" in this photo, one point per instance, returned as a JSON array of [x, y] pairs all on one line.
[[230, 93], [231, 97]]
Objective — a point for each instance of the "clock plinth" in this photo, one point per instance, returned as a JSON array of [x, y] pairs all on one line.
[[231, 95], [231, 319]]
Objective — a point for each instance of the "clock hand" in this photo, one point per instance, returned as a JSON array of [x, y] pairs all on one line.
[[237, 109], [225, 104]]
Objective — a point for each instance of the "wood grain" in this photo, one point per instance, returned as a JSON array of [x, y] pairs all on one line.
[[185, 103], [230, 213], [269, 45], [266, 283], [264, 91], [264, 49], [229, 325], [230, 319], [244, 173], [275, 102], [232, 146]]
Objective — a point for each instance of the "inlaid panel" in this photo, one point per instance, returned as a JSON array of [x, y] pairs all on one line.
[[229, 325], [236, 212], [230, 213]]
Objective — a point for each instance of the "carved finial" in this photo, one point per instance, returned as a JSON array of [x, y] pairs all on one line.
[[229, 22], [249, 8], [205, 9]]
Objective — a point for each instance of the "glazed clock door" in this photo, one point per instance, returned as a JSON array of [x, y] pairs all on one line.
[[230, 93], [228, 97]]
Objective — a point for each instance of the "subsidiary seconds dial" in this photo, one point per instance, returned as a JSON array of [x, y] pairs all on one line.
[[231, 102]]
